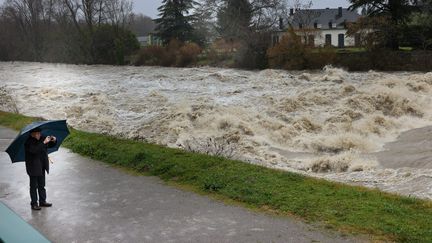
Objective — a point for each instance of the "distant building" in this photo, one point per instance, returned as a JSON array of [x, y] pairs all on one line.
[[149, 40], [321, 27]]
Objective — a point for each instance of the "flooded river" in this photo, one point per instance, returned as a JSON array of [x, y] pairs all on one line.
[[330, 124]]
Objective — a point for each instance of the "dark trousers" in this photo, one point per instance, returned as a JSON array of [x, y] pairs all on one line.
[[37, 186]]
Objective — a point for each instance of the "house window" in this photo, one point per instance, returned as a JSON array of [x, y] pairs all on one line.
[[300, 26], [330, 25], [328, 38], [341, 40], [275, 40], [316, 25]]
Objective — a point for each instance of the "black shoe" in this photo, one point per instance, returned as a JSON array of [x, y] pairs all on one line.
[[45, 204], [35, 207]]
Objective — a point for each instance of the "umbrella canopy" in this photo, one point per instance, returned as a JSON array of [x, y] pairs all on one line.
[[58, 129]]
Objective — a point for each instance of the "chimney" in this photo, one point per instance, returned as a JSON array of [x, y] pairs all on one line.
[[291, 11], [340, 12]]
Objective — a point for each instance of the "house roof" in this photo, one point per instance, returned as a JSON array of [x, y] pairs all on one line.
[[322, 17]]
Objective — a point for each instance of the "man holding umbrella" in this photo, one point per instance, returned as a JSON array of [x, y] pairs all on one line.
[[32, 145], [37, 162]]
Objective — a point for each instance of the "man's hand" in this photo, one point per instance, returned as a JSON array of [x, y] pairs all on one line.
[[47, 140]]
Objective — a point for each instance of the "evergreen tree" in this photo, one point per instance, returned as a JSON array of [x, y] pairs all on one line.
[[174, 20], [234, 19], [397, 12], [418, 32]]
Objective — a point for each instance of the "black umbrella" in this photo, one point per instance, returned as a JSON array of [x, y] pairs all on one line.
[[58, 129]]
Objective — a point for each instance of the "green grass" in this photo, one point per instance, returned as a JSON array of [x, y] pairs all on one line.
[[346, 208], [406, 48], [341, 50], [351, 49], [15, 121]]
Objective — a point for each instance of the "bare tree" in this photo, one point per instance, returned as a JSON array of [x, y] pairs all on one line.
[[267, 13], [302, 20], [63, 30], [118, 12], [87, 10], [141, 25], [73, 7], [29, 17], [94, 13], [204, 23]]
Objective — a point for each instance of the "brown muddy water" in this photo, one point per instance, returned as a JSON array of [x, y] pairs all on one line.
[[368, 129]]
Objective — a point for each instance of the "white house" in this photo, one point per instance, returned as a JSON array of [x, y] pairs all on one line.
[[143, 40], [149, 40], [322, 27]]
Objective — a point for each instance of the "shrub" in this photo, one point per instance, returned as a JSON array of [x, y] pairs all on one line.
[[111, 44], [188, 54], [252, 53], [320, 57], [290, 53], [175, 53], [218, 58], [150, 55], [385, 60]]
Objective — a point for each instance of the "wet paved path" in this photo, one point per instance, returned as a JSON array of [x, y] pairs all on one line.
[[94, 202]]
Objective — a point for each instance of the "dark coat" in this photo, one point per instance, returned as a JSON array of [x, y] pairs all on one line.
[[36, 156]]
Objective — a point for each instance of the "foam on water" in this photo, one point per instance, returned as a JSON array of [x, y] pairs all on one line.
[[332, 118]]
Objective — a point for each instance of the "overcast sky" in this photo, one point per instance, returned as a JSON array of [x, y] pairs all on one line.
[[149, 7]]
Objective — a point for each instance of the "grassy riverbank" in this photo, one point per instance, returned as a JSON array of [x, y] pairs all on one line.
[[342, 207]]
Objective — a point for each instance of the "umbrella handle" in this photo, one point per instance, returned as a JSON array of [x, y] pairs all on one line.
[[50, 160]]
